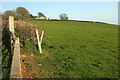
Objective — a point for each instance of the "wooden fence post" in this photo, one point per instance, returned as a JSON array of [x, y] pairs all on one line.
[[11, 29], [41, 37], [39, 40], [11, 24], [16, 65]]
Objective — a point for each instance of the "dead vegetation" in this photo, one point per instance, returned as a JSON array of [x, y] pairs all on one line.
[[26, 31]]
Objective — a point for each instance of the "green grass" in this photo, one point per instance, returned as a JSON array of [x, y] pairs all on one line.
[[78, 50]]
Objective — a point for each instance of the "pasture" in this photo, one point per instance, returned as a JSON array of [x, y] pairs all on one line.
[[75, 50]]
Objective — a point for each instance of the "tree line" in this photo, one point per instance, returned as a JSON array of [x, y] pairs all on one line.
[[22, 13]]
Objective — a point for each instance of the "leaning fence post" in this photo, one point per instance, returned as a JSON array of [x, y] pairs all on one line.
[[39, 40], [41, 37]]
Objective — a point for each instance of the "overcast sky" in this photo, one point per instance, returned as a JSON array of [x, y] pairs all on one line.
[[98, 11]]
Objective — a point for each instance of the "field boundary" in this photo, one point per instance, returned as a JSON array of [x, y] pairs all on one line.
[[71, 20], [16, 64]]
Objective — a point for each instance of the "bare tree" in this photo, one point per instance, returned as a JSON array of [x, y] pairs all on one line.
[[63, 16]]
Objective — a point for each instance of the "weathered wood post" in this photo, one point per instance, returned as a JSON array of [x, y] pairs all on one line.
[[11, 29], [16, 65], [11, 24]]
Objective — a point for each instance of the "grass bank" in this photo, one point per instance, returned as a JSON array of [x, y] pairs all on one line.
[[77, 50]]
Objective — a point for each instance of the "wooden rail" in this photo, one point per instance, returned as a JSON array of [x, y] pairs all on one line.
[[16, 65]]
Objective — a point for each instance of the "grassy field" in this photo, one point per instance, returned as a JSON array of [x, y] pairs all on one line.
[[77, 50]]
